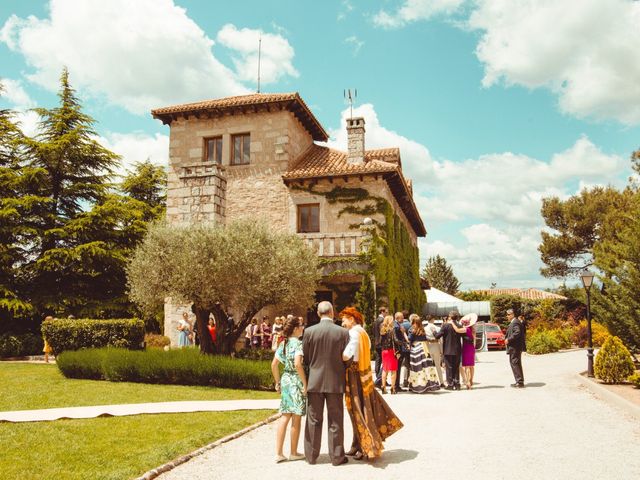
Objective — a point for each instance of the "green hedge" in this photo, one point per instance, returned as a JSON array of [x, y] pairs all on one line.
[[543, 341], [65, 335], [20, 344], [177, 367], [635, 379], [255, 354]]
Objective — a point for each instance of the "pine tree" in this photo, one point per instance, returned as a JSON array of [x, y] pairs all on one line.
[[76, 170], [20, 206], [440, 275], [618, 258]]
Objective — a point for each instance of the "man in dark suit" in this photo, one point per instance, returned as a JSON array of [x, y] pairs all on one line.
[[516, 344], [376, 342], [322, 347], [451, 334]]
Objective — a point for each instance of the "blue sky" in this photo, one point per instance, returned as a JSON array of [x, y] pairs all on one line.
[[492, 109]]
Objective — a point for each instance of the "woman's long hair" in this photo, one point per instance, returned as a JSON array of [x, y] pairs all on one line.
[[387, 325], [416, 326], [290, 324]]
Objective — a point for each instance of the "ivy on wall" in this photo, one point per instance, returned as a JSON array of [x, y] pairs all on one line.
[[391, 256]]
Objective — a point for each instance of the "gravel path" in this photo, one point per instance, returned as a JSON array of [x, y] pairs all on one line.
[[553, 429]]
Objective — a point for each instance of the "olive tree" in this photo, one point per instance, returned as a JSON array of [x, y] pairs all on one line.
[[241, 267]]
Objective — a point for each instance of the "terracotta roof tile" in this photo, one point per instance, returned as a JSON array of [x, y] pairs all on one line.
[[526, 293], [326, 162], [291, 101]]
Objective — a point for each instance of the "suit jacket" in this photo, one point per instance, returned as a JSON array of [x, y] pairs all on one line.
[[322, 346], [516, 334], [451, 340], [376, 330]]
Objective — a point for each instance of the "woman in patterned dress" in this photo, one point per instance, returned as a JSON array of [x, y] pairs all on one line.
[[292, 387], [423, 376], [372, 419]]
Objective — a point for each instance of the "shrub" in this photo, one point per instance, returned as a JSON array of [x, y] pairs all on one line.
[[255, 354], [20, 345], [542, 341], [178, 367], [564, 336], [635, 379], [153, 340], [599, 334], [65, 335], [614, 363]]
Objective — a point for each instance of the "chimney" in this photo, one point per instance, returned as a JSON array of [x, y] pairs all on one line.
[[355, 141]]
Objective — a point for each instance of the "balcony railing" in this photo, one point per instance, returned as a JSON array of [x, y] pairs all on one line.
[[346, 244]]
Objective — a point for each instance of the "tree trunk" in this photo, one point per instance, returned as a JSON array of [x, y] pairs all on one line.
[[202, 319], [227, 333]]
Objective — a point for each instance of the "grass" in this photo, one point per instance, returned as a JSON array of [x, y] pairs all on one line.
[[26, 386], [105, 448], [110, 448]]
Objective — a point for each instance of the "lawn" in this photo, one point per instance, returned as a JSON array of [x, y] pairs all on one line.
[[25, 386], [105, 448], [110, 448]]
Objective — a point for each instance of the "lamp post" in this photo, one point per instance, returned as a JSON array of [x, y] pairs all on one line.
[[587, 280]]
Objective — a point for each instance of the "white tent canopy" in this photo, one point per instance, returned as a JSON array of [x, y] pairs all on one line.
[[439, 304]]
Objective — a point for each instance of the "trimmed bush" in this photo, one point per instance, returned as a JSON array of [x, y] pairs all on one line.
[[255, 354], [541, 342], [614, 363], [153, 340], [635, 379], [20, 345], [65, 335], [177, 367]]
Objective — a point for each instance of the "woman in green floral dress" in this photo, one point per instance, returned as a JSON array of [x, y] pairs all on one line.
[[292, 387]]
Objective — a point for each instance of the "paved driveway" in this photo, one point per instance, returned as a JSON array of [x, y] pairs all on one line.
[[553, 429]]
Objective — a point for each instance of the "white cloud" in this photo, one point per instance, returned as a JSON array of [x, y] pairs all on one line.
[[346, 8], [586, 52], [15, 94], [355, 43], [137, 147], [138, 55], [414, 10], [276, 53], [496, 198]]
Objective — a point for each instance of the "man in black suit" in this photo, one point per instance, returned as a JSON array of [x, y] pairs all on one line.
[[376, 342], [451, 334], [516, 344], [322, 346]]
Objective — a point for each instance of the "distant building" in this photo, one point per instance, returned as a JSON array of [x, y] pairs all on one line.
[[525, 293]]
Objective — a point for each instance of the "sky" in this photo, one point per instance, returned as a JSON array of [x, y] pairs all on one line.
[[495, 104]]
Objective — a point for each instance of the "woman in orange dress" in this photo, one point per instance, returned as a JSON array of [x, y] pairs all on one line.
[[372, 419]]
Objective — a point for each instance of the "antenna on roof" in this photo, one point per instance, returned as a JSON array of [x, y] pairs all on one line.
[[259, 58], [350, 96]]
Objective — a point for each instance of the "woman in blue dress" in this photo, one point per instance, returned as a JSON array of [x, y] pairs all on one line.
[[184, 327], [292, 387]]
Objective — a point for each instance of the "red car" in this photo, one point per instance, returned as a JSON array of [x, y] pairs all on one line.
[[495, 336]]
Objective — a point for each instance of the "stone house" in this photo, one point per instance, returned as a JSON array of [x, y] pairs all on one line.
[[257, 155]]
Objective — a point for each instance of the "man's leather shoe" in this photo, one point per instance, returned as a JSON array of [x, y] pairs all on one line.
[[342, 462], [517, 385], [449, 387]]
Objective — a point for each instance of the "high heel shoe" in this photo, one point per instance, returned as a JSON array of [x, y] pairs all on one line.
[[393, 390], [383, 390]]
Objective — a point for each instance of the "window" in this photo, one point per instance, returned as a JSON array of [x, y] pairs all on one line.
[[309, 218], [213, 149], [240, 150]]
